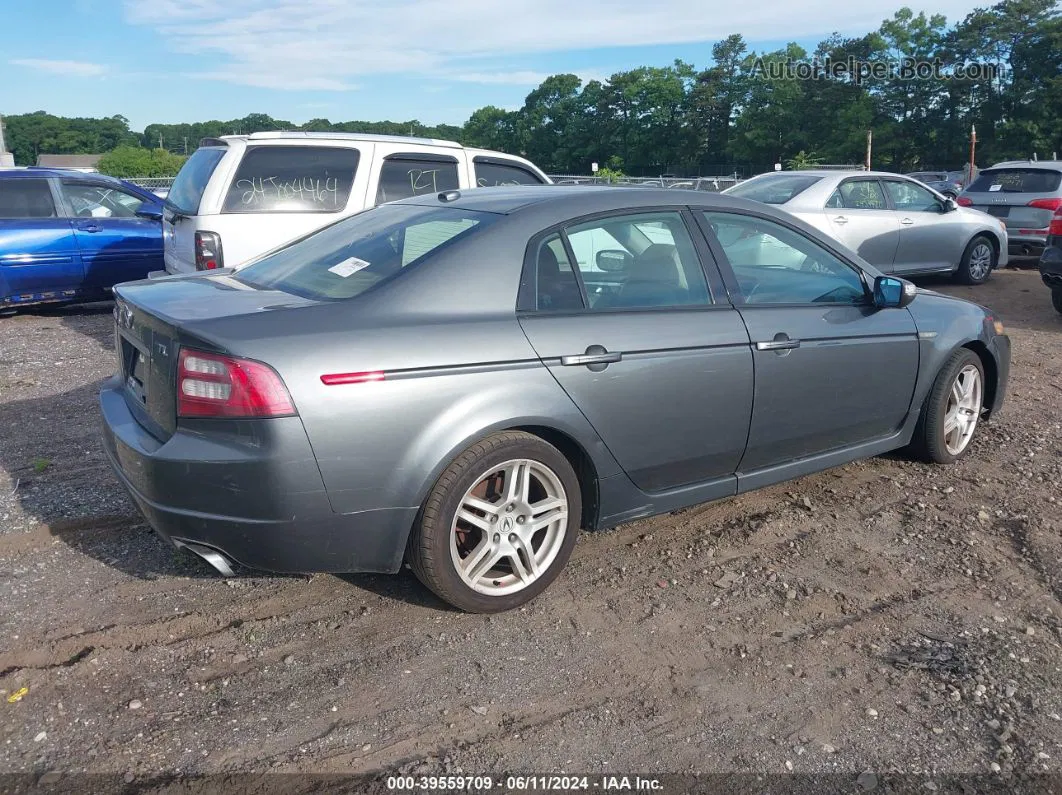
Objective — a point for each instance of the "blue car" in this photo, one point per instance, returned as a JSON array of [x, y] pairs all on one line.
[[68, 236]]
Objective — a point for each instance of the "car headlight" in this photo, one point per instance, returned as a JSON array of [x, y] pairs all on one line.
[[1002, 225]]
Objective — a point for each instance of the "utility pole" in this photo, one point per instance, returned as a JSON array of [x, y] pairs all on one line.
[[160, 140], [973, 151], [186, 144], [870, 144]]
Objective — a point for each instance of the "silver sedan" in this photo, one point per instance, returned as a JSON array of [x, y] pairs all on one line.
[[893, 222]]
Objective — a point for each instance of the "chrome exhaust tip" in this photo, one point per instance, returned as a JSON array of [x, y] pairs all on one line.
[[220, 563]]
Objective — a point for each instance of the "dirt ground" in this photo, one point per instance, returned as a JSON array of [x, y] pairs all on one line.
[[884, 619]]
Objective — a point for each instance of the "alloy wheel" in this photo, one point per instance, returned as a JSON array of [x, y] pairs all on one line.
[[509, 528], [963, 409], [981, 261]]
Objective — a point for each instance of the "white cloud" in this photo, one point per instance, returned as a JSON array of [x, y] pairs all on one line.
[[322, 44], [62, 68]]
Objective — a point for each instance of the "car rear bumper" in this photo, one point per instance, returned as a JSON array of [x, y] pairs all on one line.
[[1051, 265], [255, 495], [1020, 246]]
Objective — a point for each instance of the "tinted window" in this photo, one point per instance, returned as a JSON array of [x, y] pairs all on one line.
[[1017, 180], [774, 189], [26, 198], [490, 174], [349, 257], [775, 265], [187, 189], [909, 197], [859, 195], [285, 179], [100, 201], [556, 287], [638, 261], [405, 176]]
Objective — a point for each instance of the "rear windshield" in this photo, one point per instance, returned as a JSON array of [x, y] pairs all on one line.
[[349, 257], [187, 189], [775, 189], [1017, 180], [302, 179]]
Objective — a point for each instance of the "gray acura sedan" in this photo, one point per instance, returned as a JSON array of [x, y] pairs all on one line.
[[464, 380]]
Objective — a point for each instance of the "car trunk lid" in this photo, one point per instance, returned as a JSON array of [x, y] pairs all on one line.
[[153, 320]]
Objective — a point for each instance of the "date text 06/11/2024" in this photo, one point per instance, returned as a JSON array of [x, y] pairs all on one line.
[[544, 783]]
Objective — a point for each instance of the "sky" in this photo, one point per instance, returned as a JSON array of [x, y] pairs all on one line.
[[435, 61]]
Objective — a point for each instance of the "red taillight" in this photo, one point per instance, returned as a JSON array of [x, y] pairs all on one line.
[[334, 379], [1054, 205], [209, 385], [208, 255], [964, 201], [1055, 229]]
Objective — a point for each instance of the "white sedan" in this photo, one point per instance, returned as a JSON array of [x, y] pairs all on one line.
[[895, 223]]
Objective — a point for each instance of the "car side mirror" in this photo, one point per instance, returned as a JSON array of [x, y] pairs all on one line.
[[893, 293], [949, 205], [150, 211], [613, 260]]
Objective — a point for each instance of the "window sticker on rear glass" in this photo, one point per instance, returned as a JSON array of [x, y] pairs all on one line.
[[349, 266], [995, 187]]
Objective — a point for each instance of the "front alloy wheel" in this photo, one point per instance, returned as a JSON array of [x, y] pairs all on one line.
[[951, 410], [963, 410], [499, 525]]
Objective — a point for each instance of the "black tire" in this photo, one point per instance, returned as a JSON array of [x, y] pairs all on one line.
[[1056, 298], [928, 442], [428, 551], [969, 271]]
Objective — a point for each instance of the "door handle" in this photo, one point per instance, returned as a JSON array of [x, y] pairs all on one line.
[[781, 343], [89, 227], [906, 221], [840, 219], [594, 355]]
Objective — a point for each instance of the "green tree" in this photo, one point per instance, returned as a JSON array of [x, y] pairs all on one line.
[[136, 161]]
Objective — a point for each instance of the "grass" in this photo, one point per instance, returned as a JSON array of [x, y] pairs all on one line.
[[41, 464]]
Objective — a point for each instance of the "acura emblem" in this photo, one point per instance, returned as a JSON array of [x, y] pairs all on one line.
[[123, 315]]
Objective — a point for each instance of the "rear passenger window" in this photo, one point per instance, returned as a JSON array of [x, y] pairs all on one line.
[[26, 198], [302, 179], [490, 173], [405, 175]]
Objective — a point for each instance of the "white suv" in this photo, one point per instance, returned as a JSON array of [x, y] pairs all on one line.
[[239, 196]]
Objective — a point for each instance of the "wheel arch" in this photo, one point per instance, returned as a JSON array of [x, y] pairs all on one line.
[[988, 364]]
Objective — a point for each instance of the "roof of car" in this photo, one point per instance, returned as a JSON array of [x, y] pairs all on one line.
[[273, 135], [1050, 165], [28, 172], [584, 198]]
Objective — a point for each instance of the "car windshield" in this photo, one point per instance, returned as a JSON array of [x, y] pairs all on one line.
[[774, 189], [187, 189], [349, 257], [1017, 180]]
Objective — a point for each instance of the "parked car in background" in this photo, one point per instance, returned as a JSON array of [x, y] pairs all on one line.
[[894, 222], [440, 380], [1024, 194], [67, 235], [238, 196], [1051, 267], [946, 183]]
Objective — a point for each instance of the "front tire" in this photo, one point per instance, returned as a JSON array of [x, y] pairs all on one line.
[[952, 410], [499, 524], [1056, 299], [978, 261]]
